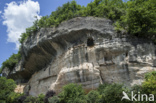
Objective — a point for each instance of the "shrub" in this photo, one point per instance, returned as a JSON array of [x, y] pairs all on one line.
[[93, 97], [40, 98], [102, 87], [112, 93], [13, 97], [136, 89], [7, 86], [54, 99], [148, 85], [30, 99], [77, 100], [71, 92], [150, 74]]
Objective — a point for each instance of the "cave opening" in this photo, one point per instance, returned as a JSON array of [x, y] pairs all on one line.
[[126, 54], [90, 42]]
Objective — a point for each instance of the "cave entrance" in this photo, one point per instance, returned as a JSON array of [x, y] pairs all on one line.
[[90, 42]]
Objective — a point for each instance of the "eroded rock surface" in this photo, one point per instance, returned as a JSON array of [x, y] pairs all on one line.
[[86, 51]]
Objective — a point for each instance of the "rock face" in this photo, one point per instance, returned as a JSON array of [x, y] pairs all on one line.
[[19, 88], [83, 50]]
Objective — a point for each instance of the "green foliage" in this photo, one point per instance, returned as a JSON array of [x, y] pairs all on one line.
[[7, 86], [137, 88], [77, 100], [102, 87], [118, 27], [12, 61], [29, 31], [71, 92], [0, 70], [40, 98], [13, 97], [149, 85], [141, 17], [112, 93], [54, 99], [112, 9], [150, 74], [30, 99], [93, 97]]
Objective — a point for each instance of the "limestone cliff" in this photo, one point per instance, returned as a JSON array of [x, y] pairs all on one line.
[[83, 50]]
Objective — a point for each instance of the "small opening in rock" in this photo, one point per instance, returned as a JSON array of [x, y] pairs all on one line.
[[90, 42], [126, 54]]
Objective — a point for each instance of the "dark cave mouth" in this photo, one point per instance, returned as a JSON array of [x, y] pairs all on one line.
[[90, 42]]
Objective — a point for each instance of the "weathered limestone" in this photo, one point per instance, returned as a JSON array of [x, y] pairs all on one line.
[[86, 51], [20, 88], [5, 72]]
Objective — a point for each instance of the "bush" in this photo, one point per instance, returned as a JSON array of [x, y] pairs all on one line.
[[93, 97], [112, 93], [102, 87], [71, 92], [54, 99], [13, 97], [149, 75], [40, 98], [148, 85], [7, 86], [30, 99], [136, 89], [77, 100]]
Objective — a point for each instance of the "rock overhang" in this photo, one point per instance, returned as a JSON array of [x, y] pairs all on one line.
[[40, 47], [53, 57]]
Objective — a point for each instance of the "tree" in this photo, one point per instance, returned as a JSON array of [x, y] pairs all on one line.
[[7, 86], [141, 17]]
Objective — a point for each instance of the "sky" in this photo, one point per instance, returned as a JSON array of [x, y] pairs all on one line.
[[17, 15]]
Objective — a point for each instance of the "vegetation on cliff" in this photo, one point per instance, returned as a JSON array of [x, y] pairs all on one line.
[[73, 93], [137, 17], [12, 61], [7, 87]]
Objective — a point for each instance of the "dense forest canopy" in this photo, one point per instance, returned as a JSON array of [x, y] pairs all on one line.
[[137, 17]]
